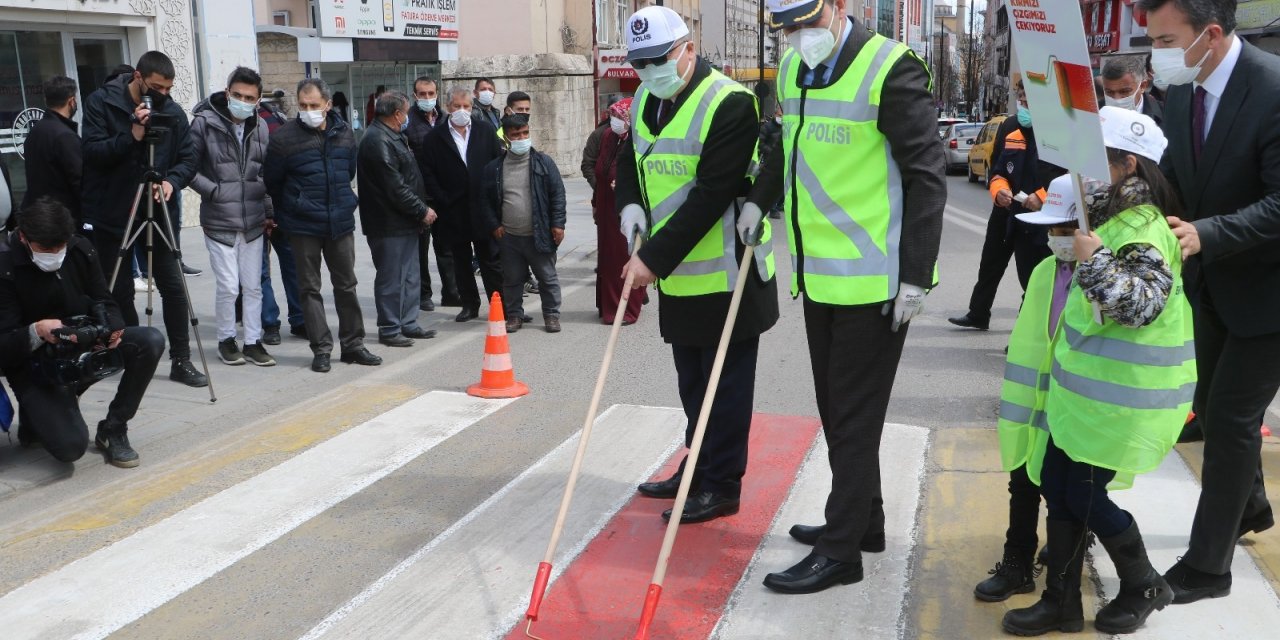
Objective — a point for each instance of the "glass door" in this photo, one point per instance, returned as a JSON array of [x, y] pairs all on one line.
[[94, 57]]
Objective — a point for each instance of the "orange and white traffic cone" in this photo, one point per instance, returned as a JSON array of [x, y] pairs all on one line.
[[497, 377]]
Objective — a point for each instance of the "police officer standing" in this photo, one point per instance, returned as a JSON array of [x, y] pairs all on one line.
[[864, 191], [679, 176]]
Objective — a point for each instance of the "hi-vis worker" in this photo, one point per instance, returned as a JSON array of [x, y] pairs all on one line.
[[680, 174], [862, 172]]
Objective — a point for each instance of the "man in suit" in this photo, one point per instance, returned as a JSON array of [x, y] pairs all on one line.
[[425, 114], [1125, 84], [453, 155], [1221, 119]]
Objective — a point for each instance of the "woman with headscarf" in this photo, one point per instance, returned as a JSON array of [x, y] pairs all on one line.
[[612, 247]]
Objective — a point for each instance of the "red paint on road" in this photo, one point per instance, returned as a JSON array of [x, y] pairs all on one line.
[[600, 595]]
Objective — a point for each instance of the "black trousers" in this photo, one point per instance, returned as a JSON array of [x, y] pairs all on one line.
[[167, 273], [723, 459], [854, 356], [1020, 539], [51, 415], [1005, 239], [444, 265], [486, 253], [1077, 491], [1238, 378]]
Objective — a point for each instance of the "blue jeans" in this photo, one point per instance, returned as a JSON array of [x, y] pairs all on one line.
[[1078, 491], [288, 275]]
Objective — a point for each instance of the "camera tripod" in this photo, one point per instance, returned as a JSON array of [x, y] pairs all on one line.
[[151, 179]]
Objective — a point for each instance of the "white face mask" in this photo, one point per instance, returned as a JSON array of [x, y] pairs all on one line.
[[665, 80], [240, 110], [777, 119], [485, 97], [1170, 65], [460, 118], [1129, 102], [1063, 248], [618, 125], [426, 105], [521, 147], [312, 119], [814, 44], [49, 262]]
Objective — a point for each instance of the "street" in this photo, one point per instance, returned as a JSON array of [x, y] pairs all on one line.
[[382, 503]]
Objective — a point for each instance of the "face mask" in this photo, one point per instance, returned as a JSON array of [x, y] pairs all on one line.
[[427, 106], [1128, 102], [485, 97], [1024, 116], [312, 119], [239, 110], [618, 125], [460, 118], [158, 99], [49, 262], [404, 126], [1063, 248], [777, 119], [1170, 65], [663, 80], [521, 147], [814, 44]]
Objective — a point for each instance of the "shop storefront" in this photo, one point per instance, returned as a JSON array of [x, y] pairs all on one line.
[[613, 76], [1102, 20]]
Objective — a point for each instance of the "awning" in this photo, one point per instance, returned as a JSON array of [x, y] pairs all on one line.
[[311, 47]]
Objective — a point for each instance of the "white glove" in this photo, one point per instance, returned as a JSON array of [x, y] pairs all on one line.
[[906, 306], [634, 223], [749, 228]]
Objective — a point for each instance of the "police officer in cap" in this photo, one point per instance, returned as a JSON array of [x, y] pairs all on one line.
[[864, 186], [680, 176]]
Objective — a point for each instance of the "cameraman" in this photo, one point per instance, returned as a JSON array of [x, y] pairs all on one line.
[[47, 274], [116, 123]]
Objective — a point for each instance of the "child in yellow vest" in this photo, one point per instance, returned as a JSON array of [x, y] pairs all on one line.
[[1119, 388]]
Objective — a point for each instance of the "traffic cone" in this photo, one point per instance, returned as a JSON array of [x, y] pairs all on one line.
[[497, 378]]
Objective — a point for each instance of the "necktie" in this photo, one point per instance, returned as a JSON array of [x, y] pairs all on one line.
[[819, 75], [666, 111], [1198, 121]]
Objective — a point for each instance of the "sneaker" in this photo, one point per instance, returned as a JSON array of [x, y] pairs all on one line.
[[258, 355], [229, 352], [183, 371], [114, 446], [552, 323], [190, 271], [140, 285], [271, 335]]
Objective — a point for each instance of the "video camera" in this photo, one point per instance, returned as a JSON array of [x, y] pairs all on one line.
[[85, 359], [158, 125]]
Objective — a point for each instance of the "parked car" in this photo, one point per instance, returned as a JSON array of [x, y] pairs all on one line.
[[980, 153], [943, 123], [956, 140]]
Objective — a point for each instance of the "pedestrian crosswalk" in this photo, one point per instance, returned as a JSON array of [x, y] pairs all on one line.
[[944, 501]]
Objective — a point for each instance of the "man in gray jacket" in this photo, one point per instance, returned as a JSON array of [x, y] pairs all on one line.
[[230, 145]]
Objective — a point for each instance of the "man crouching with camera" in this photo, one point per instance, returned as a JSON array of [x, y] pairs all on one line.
[[61, 331]]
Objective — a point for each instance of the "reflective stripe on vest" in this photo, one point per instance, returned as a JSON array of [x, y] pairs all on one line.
[[1023, 424], [843, 188], [1130, 352]]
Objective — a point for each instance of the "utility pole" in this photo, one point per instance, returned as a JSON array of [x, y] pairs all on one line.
[[970, 81]]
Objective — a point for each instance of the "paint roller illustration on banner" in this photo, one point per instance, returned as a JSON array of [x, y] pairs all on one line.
[[1075, 84]]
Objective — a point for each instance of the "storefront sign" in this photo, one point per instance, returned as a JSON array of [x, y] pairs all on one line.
[[612, 63], [1048, 36], [388, 19], [1105, 41]]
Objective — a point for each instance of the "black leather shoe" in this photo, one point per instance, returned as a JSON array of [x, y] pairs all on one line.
[[467, 313], [418, 333], [969, 322], [320, 363], [662, 489], [813, 574], [809, 534], [1257, 523], [450, 301], [360, 356], [1190, 584], [703, 506], [271, 335], [394, 341], [427, 305]]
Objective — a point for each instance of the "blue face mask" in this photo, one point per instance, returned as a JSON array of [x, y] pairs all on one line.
[[404, 126], [1024, 116], [239, 110], [426, 105]]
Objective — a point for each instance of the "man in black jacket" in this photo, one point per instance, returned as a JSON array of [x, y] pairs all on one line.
[[48, 274], [1224, 160], [1125, 84], [393, 215], [115, 156], [52, 150], [522, 205], [423, 117], [455, 152]]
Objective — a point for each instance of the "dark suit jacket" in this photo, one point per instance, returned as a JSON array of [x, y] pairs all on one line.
[[1233, 192], [451, 185], [1153, 108]]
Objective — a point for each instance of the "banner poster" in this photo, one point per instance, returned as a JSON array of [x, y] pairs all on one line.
[[1050, 44]]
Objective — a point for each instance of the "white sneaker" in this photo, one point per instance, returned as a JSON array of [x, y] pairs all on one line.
[[140, 285]]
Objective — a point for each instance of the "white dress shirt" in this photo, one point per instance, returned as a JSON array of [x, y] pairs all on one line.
[[461, 139], [1216, 83]]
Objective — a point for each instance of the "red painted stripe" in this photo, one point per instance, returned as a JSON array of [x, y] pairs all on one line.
[[602, 592]]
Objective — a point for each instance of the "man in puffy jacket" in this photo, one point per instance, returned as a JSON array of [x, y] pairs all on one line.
[[230, 143], [311, 161], [393, 213]]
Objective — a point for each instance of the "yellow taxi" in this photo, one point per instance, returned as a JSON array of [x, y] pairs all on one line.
[[980, 152]]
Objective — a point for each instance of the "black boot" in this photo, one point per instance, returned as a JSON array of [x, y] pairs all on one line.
[[1142, 589], [1059, 608], [1013, 574]]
